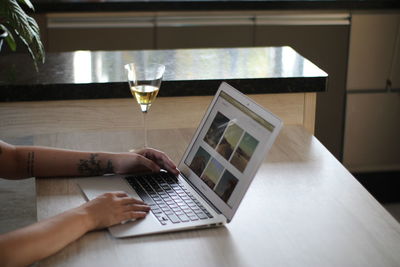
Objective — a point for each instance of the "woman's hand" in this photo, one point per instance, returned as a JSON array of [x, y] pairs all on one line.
[[113, 208], [144, 160]]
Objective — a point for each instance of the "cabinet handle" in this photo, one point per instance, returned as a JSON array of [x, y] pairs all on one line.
[[317, 19], [102, 22], [205, 21]]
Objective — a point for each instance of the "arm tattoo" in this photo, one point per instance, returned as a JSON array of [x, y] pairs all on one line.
[[109, 167], [92, 166], [30, 163]]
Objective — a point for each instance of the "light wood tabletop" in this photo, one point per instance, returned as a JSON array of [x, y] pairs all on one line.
[[302, 209]]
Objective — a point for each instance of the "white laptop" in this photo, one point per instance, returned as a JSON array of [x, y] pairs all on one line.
[[216, 170]]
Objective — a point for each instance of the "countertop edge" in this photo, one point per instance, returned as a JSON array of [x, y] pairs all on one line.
[[13, 93]]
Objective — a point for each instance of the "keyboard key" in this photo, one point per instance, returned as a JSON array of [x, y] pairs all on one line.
[[189, 213], [162, 218], [174, 218], [165, 209], [169, 201], [156, 211], [183, 218], [208, 214], [202, 215]]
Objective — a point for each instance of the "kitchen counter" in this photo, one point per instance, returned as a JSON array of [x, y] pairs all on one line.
[[189, 72]]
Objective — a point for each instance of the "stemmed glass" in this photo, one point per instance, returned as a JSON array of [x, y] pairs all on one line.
[[144, 83]]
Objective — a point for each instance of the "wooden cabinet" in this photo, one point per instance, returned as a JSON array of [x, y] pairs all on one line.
[[372, 131], [323, 39]]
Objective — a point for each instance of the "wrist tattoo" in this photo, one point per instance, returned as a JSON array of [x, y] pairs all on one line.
[[109, 167], [30, 163], [93, 166]]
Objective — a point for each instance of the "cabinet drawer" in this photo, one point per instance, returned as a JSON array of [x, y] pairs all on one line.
[[372, 133], [204, 31], [109, 32], [372, 47]]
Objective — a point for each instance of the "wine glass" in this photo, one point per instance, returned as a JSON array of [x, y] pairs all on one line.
[[144, 83]]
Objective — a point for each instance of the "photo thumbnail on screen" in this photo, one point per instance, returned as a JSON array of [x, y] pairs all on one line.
[[230, 139], [212, 173], [244, 151], [199, 161], [226, 186], [216, 130]]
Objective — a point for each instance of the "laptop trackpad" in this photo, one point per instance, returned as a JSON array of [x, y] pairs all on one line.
[[95, 186]]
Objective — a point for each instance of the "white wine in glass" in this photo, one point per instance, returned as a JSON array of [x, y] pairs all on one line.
[[144, 95], [144, 82]]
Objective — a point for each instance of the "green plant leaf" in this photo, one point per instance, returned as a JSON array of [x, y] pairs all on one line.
[[9, 39], [24, 26], [27, 3]]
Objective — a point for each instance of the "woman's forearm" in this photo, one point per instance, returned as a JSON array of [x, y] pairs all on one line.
[[44, 162], [35, 242], [40, 240], [34, 161]]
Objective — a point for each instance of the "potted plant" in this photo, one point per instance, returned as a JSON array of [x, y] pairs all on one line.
[[15, 22]]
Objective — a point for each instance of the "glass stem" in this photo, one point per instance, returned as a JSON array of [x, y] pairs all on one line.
[[145, 128]]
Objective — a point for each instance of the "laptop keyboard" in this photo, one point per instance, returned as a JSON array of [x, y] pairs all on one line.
[[168, 199]]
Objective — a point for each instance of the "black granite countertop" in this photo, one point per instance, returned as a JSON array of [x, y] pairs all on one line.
[[43, 6], [101, 74]]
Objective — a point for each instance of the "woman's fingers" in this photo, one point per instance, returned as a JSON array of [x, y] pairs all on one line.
[[168, 164], [143, 208], [149, 164], [160, 158], [131, 201], [120, 194], [133, 215], [131, 208]]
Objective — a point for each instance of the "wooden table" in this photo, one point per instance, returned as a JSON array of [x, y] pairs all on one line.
[[303, 208]]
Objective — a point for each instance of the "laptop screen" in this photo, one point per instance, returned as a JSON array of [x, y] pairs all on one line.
[[229, 147]]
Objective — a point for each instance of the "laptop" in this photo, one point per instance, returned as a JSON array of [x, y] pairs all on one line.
[[216, 170]]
